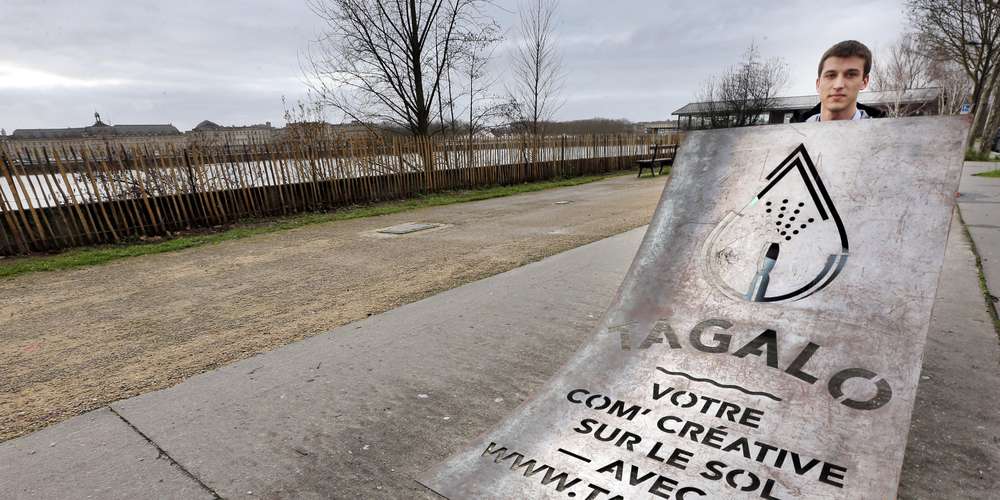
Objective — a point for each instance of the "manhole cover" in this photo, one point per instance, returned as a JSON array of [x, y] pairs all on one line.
[[409, 227]]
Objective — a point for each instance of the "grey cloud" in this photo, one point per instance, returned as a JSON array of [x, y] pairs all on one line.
[[231, 60]]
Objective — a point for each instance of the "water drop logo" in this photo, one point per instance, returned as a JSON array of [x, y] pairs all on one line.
[[786, 244]]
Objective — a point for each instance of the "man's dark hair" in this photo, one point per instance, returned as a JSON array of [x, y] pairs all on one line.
[[847, 48]]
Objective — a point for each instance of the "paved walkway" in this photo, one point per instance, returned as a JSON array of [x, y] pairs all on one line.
[[359, 411], [980, 204], [147, 323]]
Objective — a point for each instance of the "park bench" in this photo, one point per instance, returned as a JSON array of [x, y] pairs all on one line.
[[659, 155]]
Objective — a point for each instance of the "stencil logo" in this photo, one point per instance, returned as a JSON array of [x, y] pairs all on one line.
[[786, 244]]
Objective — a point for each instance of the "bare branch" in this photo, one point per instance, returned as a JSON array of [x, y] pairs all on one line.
[[968, 33], [378, 61], [537, 70], [904, 66], [741, 95]]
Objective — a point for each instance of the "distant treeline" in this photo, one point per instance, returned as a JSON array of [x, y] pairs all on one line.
[[589, 126]]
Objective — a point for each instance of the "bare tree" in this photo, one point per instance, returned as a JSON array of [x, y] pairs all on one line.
[[713, 110], [482, 104], [741, 95], [385, 60], [955, 85], [468, 94], [537, 70], [305, 120], [967, 32], [991, 126], [903, 66]]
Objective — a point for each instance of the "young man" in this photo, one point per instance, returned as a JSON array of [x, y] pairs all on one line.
[[843, 72]]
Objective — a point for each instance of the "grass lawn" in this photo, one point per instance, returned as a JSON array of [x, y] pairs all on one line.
[[89, 256], [989, 173]]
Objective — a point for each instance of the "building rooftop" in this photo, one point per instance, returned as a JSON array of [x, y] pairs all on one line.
[[210, 126], [206, 125], [661, 124], [99, 129]]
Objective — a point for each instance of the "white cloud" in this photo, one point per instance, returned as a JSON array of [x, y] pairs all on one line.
[[20, 77]]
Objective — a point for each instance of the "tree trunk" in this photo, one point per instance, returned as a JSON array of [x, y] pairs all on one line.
[[979, 118], [422, 110], [990, 131], [981, 108], [992, 121]]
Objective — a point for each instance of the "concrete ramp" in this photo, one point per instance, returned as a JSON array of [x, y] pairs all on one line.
[[767, 340]]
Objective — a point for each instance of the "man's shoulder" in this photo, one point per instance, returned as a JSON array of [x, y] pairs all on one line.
[[809, 115], [871, 111], [812, 115]]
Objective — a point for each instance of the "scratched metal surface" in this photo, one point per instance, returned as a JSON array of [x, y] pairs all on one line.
[[794, 345]]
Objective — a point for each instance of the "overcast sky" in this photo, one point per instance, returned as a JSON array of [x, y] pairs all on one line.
[[231, 61]]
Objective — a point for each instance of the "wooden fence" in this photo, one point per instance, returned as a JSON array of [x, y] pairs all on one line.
[[53, 199]]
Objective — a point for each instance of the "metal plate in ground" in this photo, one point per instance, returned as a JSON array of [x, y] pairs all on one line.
[[766, 342], [409, 227]]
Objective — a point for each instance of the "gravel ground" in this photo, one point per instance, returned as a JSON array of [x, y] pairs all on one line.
[[73, 341]]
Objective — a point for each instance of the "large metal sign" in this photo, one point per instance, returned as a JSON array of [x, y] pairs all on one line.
[[766, 342]]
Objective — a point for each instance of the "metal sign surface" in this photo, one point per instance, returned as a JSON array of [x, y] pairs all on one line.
[[767, 340]]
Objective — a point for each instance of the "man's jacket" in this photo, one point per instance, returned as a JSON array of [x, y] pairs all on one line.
[[801, 117]]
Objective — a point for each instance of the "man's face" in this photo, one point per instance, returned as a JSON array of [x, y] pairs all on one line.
[[840, 81]]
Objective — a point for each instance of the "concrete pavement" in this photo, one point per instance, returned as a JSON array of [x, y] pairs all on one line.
[[954, 443], [359, 411], [980, 205], [354, 413], [96, 455]]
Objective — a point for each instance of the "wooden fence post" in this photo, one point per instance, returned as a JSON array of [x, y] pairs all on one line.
[[122, 192]]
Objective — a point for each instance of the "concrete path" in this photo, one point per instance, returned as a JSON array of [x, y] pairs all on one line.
[[79, 339], [954, 443], [359, 411], [354, 413], [980, 204]]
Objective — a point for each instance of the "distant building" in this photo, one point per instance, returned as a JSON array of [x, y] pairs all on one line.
[[911, 102], [210, 133], [100, 135], [659, 128], [324, 130], [95, 136]]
